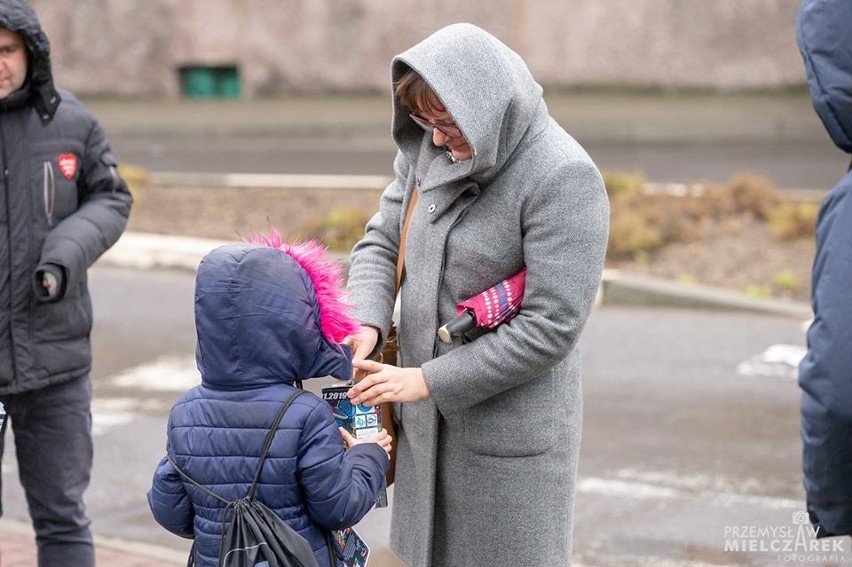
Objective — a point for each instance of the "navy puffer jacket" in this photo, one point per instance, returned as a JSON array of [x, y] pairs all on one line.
[[258, 326], [825, 374]]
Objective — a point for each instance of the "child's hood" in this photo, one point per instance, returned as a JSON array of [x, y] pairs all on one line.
[[258, 320]]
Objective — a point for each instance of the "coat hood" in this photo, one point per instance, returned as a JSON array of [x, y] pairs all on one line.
[[486, 88], [18, 16], [822, 32], [259, 319]]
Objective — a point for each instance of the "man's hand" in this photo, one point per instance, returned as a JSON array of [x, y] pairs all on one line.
[[386, 383], [50, 282]]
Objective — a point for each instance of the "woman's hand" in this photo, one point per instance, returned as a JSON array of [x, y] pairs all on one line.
[[382, 439], [362, 343], [385, 383]]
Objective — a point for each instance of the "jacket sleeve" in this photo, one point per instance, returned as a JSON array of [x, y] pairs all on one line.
[[169, 501], [825, 374], [81, 238], [564, 220], [372, 276], [340, 485]]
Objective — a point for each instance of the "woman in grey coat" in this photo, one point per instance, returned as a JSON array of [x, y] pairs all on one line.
[[488, 426]]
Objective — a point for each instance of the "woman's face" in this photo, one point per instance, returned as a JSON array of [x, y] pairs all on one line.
[[457, 145]]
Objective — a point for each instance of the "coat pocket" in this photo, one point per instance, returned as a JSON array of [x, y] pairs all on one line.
[[53, 176], [516, 423], [59, 191], [60, 333], [48, 191]]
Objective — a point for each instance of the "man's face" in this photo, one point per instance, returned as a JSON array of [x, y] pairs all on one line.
[[13, 62]]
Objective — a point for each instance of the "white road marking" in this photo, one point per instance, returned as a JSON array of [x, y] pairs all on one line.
[[626, 489], [778, 360], [104, 421], [657, 485], [169, 373]]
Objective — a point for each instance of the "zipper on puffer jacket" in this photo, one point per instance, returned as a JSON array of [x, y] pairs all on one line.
[[49, 188]]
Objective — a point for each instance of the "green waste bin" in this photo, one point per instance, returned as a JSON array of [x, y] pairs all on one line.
[[227, 82], [199, 81]]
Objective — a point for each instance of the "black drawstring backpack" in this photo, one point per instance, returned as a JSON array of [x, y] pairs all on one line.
[[257, 536]]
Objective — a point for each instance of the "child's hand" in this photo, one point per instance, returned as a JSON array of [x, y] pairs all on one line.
[[381, 438]]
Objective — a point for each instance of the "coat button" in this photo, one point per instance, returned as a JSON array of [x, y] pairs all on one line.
[[432, 208]]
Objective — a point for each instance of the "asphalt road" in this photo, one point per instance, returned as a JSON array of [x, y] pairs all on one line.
[[691, 427], [789, 165], [671, 138]]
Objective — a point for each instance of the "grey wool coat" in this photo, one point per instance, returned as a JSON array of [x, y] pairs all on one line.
[[486, 467]]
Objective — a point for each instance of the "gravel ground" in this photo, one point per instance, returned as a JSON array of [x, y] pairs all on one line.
[[751, 261]]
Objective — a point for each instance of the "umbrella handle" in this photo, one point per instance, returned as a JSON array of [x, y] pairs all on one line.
[[457, 326]]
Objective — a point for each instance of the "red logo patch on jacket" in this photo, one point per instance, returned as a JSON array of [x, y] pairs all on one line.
[[68, 165]]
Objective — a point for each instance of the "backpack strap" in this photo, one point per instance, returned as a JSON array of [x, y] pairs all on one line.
[[192, 481], [267, 444]]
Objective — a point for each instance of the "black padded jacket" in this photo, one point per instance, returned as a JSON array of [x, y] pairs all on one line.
[[62, 205]]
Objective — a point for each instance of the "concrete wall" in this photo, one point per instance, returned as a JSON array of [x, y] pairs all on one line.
[[130, 47]]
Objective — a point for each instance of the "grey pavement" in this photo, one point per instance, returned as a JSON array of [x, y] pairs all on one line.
[[149, 251]]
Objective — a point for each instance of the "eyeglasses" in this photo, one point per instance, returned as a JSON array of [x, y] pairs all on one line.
[[449, 130]]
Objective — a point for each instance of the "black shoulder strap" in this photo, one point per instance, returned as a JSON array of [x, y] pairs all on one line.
[[191, 480], [267, 444]]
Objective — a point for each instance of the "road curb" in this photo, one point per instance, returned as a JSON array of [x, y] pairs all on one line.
[[619, 288], [380, 182], [270, 181], [157, 251]]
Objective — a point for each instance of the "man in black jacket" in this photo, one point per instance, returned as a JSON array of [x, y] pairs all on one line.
[[62, 205]]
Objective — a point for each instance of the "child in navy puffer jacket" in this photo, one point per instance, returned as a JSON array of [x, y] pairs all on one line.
[[267, 315]]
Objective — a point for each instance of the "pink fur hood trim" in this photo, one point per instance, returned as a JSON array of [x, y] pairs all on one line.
[[326, 274]]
